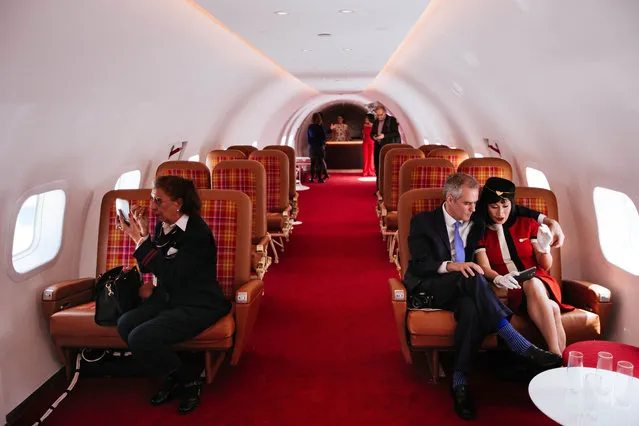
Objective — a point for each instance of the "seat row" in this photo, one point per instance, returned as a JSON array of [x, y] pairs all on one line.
[[405, 168], [244, 202], [412, 183], [266, 176]]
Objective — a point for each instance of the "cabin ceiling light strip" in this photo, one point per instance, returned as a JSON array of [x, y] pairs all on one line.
[[346, 11], [280, 12]]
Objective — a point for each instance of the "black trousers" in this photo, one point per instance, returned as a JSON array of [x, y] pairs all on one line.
[[476, 308], [152, 328], [318, 164]]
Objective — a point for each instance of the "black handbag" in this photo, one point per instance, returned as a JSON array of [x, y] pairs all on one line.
[[116, 292]]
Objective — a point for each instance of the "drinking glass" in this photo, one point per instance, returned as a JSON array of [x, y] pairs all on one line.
[[575, 370], [622, 383], [592, 394], [604, 364]]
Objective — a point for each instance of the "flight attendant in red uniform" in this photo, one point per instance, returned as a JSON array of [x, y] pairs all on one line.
[[368, 146], [512, 244]]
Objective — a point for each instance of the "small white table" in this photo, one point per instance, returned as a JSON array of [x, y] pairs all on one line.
[[550, 393]]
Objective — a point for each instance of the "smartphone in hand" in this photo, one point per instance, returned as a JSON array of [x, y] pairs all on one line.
[[526, 275], [123, 208]]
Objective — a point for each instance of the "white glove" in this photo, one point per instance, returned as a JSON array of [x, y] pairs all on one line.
[[507, 281], [544, 238]]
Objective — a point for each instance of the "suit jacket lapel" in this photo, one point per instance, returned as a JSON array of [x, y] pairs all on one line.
[[440, 227]]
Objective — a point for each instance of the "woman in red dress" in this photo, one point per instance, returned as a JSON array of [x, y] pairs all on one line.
[[368, 145], [512, 244]]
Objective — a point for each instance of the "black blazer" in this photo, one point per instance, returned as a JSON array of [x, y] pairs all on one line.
[[188, 276], [429, 245], [390, 129]]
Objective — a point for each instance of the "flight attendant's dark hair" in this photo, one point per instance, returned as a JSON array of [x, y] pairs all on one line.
[[177, 187], [371, 117], [317, 118]]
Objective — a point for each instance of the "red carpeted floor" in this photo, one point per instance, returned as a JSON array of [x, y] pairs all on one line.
[[325, 349]]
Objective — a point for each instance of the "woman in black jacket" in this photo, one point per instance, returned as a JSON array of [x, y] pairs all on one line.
[[316, 142], [187, 298]]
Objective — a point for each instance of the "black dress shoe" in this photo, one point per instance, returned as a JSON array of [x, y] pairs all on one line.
[[190, 397], [464, 406], [166, 393], [542, 358]]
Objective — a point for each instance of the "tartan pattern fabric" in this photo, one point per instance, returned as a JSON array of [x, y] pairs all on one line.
[[538, 204], [456, 160], [426, 204], [482, 173], [240, 180], [429, 177], [272, 166], [221, 216], [201, 178], [216, 159], [397, 161], [120, 247]]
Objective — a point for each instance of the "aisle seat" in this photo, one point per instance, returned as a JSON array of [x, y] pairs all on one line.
[[248, 177]]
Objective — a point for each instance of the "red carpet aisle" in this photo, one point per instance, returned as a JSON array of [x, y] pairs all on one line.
[[325, 349]]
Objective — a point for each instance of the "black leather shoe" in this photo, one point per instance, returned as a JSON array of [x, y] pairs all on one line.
[[542, 358], [190, 398], [166, 393], [464, 406]]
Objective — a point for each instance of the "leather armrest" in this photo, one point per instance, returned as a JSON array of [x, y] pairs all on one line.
[[67, 288], [249, 292], [247, 304], [66, 294], [589, 296], [398, 300]]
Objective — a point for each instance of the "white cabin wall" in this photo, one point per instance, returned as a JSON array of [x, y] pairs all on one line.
[[88, 91], [556, 83]]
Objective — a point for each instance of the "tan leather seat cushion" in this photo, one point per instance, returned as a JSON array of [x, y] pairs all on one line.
[[274, 222], [436, 328], [391, 221], [75, 327]]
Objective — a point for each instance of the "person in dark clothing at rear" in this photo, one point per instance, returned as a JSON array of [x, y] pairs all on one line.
[[187, 299], [316, 142]]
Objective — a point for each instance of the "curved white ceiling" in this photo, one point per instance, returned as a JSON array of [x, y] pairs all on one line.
[[360, 45]]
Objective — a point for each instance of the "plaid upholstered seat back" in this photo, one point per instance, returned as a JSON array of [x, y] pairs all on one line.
[[276, 166], [246, 149], [228, 214], [214, 157], [455, 156], [411, 203], [424, 173], [115, 248], [290, 153], [192, 170], [484, 168], [382, 156], [393, 163], [248, 177], [545, 202]]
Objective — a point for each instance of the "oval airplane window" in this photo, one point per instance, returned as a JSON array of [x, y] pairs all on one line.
[[38, 232], [618, 225], [129, 180], [536, 178]]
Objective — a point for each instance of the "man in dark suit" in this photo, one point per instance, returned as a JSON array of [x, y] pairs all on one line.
[[385, 130], [442, 244]]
